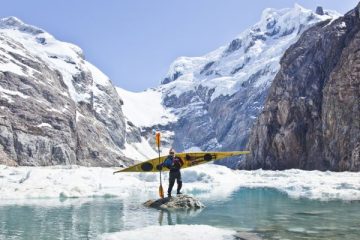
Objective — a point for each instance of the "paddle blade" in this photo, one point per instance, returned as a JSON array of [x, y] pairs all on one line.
[[158, 139], [161, 191]]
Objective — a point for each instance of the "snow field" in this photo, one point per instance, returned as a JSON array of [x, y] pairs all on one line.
[[145, 109]]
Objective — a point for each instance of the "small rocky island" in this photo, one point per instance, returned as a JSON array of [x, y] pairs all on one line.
[[176, 202]]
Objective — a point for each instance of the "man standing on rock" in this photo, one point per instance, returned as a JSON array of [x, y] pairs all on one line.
[[173, 163]]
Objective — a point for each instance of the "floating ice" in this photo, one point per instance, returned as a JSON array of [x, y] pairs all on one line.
[[207, 181], [174, 232]]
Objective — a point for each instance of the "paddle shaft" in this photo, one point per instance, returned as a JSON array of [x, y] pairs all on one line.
[[159, 164], [161, 191]]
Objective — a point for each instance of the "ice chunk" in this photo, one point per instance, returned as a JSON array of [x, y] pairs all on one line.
[[176, 232]]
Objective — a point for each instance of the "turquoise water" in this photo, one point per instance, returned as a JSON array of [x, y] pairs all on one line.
[[267, 212]]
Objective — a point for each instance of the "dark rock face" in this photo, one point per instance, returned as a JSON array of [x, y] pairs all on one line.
[[175, 76], [192, 129], [233, 116], [222, 124], [234, 45], [311, 118], [319, 10]]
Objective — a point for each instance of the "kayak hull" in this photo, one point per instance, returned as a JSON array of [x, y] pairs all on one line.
[[189, 159]]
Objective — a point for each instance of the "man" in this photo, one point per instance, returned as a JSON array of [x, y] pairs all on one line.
[[173, 163]]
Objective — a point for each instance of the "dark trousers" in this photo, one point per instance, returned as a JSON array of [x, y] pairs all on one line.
[[172, 176]]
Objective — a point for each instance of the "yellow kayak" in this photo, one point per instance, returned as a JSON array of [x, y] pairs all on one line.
[[189, 159]]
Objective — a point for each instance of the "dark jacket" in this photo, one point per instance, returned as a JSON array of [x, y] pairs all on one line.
[[173, 163]]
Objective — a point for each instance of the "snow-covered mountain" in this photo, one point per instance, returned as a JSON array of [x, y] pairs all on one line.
[[211, 102], [56, 107]]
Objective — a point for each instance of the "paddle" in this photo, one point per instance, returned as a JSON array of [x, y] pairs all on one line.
[[161, 190]]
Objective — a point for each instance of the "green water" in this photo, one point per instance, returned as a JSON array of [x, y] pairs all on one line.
[[269, 213]]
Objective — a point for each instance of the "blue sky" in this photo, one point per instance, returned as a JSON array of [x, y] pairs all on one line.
[[135, 41]]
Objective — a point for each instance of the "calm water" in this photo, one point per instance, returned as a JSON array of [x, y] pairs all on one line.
[[269, 213]]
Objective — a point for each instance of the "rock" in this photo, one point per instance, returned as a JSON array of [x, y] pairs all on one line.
[[177, 202], [56, 108], [311, 117], [246, 236], [319, 10]]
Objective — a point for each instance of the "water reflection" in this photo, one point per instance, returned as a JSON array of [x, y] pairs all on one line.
[[173, 217], [269, 213], [274, 215], [61, 221]]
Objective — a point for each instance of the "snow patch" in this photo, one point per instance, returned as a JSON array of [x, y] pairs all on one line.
[[12, 67], [6, 97], [145, 109], [98, 76], [12, 93], [44, 125], [139, 150], [193, 149]]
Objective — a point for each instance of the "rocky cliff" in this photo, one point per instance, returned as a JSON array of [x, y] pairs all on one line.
[[216, 98], [55, 107], [311, 118]]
